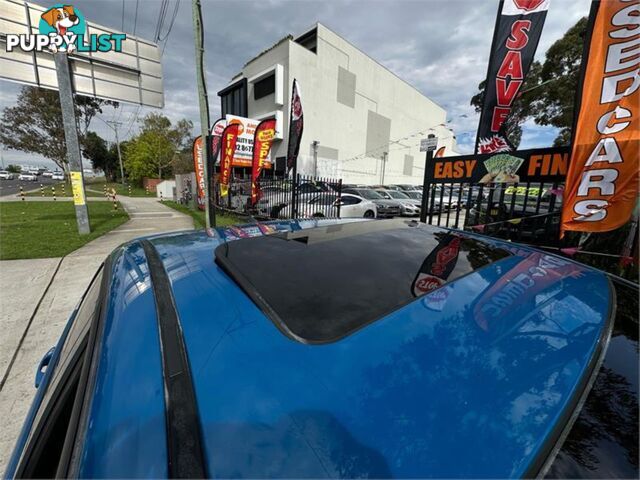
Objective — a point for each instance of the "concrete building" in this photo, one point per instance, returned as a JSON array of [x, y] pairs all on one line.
[[362, 123]]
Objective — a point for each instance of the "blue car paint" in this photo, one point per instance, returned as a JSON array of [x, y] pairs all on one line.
[[421, 392], [126, 436]]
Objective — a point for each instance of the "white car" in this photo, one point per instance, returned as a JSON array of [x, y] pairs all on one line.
[[28, 177], [47, 174], [409, 207], [351, 206], [57, 176], [4, 175]]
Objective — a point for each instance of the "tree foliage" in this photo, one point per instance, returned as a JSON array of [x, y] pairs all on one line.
[[102, 156], [152, 152], [34, 124], [548, 94]]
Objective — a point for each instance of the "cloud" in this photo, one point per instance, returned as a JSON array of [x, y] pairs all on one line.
[[439, 46]]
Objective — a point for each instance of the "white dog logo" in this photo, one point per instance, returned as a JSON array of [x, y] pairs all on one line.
[[61, 19]]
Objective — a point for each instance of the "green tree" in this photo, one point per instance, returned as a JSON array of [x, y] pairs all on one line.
[[548, 94], [95, 149], [34, 124], [13, 168], [560, 74], [152, 152]]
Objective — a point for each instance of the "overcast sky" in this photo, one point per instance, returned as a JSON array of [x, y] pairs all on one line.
[[439, 46]]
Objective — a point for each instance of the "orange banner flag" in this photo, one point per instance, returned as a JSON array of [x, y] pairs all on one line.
[[602, 181]]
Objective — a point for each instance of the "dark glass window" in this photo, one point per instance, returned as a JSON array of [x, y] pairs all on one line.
[[349, 200], [340, 277], [264, 87], [233, 99], [44, 445]]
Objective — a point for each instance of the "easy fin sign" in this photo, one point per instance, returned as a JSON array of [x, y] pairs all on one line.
[[602, 181]]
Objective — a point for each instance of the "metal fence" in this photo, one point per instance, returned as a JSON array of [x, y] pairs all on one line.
[[524, 212], [286, 198]]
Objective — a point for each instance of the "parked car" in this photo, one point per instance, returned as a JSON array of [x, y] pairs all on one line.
[[4, 175], [28, 177], [359, 349], [47, 174], [386, 208], [408, 207], [351, 206], [57, 176]]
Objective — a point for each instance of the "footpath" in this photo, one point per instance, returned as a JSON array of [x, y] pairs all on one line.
[[37, 296]]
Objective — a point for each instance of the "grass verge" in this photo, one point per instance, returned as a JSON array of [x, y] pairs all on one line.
[[48, 229], [198, 216], [61, 189]]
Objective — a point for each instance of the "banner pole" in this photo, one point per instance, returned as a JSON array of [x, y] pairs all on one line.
[[486, 77], [426, 186]]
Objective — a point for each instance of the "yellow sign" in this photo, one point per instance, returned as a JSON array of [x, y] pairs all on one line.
[[78, 188]]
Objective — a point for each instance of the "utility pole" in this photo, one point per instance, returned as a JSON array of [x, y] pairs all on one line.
[[65, 90], [114, 125], [209, 184], [384, 166], [314, 145]]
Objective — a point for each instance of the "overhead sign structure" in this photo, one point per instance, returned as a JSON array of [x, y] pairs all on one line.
[[602, 183], [105, 63], [243, 156]]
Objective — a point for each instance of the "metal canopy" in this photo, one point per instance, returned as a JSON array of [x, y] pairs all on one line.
[[133, 75]]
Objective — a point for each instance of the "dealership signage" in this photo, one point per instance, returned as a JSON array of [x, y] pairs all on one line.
[[536, 165], [243, 156]]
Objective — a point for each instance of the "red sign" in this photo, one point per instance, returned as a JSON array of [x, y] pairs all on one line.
[[198, 166], [262, 140], [229, 138]]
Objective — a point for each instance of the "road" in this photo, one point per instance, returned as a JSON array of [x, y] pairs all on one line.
[[12, 187]]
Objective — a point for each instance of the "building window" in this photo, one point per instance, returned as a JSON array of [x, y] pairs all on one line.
[[309, 40], [233, 99], [264, 87]]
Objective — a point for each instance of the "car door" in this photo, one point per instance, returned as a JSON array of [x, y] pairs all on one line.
[[350, 207]]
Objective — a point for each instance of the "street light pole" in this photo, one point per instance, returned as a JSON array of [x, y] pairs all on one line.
[[384, 166], [315, 144], [115, 129]]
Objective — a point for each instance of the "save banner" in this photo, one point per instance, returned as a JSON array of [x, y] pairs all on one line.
[[262, 140], [198, 166], [602, 182], [229, 138], [515, 39], [535, 165], [296, 125]]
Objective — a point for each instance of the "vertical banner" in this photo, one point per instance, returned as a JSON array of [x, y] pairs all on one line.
[[262, 140], [296, 125], [515, 40], [602, 182], [438, 265], [216, 137], [228, 141], [198, 167]]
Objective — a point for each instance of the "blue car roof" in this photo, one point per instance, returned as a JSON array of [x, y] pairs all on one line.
[[476, 378]]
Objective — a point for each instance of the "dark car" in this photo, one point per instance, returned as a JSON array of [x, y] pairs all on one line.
[[387, 208], [314, 349]]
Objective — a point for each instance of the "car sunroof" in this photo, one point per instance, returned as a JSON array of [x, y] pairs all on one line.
[[321, 284]]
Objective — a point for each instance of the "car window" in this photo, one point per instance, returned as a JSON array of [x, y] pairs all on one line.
[[349, 200], [383, 194], [369, 194], [398, 195], [44, 445]]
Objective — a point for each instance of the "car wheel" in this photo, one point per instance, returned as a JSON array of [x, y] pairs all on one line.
[[369, 214]]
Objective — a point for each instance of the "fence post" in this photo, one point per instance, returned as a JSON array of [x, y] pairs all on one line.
[[339, 195], [426, 186]]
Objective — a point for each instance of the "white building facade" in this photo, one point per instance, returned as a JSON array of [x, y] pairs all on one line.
[[362, 123]]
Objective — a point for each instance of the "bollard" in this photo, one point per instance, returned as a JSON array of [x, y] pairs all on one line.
[[64, 190], [161, 195], [21, 193], [146, 189], [104, 188], [42, 190], [53, 192], [129, 189]]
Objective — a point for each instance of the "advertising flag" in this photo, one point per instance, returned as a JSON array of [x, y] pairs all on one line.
[[515, 39], [296, 125], [228, 141], [262, 140], [437, 267], [602, 182], [198, 166], [216, 137]]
